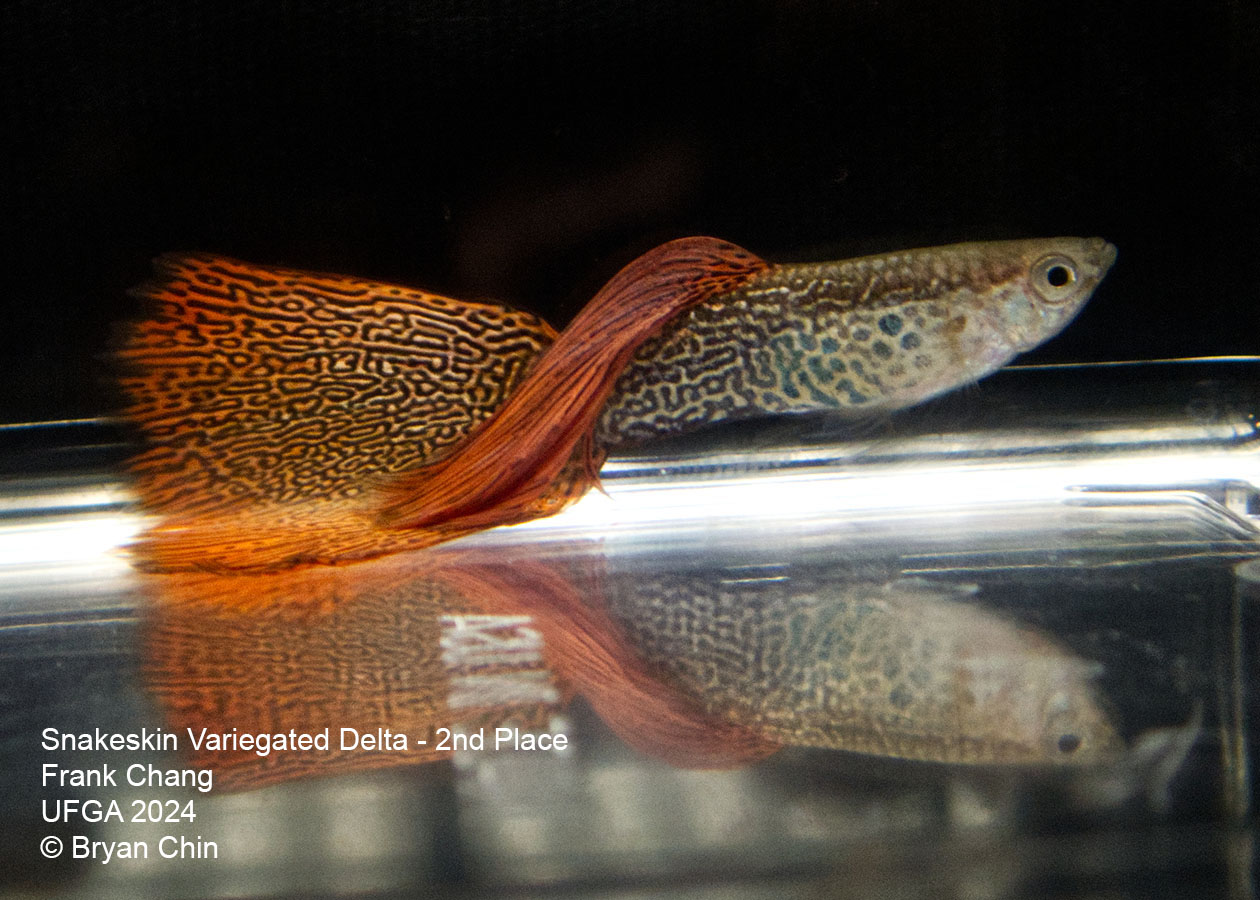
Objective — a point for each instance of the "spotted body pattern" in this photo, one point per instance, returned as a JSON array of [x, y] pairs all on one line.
[[870, 334], [256, 384], [901, 669]]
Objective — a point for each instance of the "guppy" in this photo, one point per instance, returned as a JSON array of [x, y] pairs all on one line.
[[298, 419]]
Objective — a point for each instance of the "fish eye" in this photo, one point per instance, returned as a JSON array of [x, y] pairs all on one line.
[[1069, 743], [1054, 278], [1058, 275]]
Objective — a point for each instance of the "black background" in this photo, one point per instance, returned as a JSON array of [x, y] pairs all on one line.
[[525, 150]]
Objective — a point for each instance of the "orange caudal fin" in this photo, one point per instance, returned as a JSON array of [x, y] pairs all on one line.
[[268, 398], [510, 468]]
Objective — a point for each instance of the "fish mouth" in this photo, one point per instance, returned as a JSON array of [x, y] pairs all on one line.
[[1102, 255]]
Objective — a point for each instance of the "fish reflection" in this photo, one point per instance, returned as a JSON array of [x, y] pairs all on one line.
[[698, 670], [904, 669]]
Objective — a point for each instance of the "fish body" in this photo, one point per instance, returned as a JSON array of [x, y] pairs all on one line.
[[864, 335]]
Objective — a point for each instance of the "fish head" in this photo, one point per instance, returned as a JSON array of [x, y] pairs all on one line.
[[1038, 702], [1014, 693], [1053, 280], [1016, 295], [959, 312], [1076, 730]]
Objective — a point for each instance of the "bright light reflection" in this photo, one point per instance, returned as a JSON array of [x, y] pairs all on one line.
[[828, 489], [59, 540], [836, 491]]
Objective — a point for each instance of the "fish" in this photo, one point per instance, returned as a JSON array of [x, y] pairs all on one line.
[[903, 668], [295, 419]]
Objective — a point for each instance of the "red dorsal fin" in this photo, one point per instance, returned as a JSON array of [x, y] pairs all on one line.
[[510, 465], [269, 399]]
